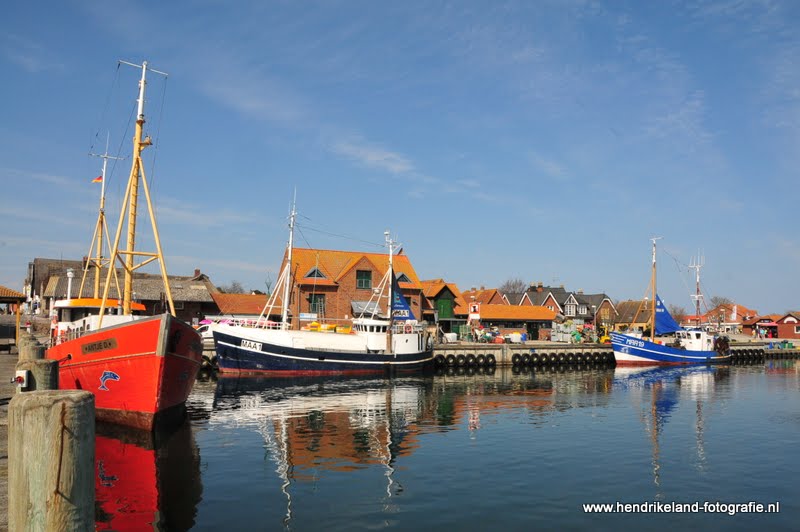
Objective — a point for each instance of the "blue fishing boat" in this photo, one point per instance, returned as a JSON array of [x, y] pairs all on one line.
[[373, 343], [669, 343]]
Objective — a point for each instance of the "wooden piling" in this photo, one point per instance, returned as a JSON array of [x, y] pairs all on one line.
[[51, 461], [43, 375], [31, 349]]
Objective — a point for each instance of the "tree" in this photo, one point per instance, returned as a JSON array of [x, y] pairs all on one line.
[[716, 301], [513, 286], [679, 313], [235, 287]]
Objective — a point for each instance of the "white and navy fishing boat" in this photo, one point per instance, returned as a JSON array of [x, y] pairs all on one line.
[[371, 343], [674, 344]]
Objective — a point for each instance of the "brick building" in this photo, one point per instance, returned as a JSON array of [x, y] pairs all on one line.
[[335, 285]]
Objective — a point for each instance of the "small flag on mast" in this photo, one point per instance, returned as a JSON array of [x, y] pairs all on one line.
[[98, 179]]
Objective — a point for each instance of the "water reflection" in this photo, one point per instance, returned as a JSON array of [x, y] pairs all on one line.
[[146, 480], [328, 424], [657, 392], [316, 427]]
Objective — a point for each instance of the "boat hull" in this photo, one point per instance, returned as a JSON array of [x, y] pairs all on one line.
[[631, 351], [140, 372], [264, 358]]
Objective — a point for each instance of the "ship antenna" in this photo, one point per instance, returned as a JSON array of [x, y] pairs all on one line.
[[696, 264]]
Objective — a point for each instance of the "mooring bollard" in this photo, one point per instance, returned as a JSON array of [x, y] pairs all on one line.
[[42, 375], [31, 349], [51, 461], [25, 340]]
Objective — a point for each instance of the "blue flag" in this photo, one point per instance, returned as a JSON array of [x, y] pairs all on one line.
[[400, 308], [665, 323]]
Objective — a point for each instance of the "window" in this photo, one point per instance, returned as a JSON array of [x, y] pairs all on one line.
[[569, 310], [178, 305], [315, 274], [583, 310], [364, 279], [797, 329], [316, 303], [551, 307], [403, 278]]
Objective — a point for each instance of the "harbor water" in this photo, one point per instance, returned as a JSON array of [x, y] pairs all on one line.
[[501, 450]]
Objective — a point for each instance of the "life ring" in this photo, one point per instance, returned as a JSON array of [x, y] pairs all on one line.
[[408, 329]]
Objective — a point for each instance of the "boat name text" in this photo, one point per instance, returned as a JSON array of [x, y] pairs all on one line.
[[634, 342], [251, 345], [96, 347]]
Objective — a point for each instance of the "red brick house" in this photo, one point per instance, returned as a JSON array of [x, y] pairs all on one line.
[[789, 326], [335, 285], [728, 317]]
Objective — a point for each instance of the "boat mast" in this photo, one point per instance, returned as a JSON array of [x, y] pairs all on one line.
[[655, 297], [390, 244], [698, 297], [288, 269], [100, 228], [130, 204]]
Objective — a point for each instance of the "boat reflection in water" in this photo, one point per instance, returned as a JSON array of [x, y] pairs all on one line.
[[146, 480], [659, 391], [334, 424], [321, 432]]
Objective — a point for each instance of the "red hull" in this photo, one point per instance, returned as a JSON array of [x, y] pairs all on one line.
[[138, 371]]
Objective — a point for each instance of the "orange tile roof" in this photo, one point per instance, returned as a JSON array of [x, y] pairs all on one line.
[[483, 296], [516, 312], [336, 264], [11, 294], [240, 304]]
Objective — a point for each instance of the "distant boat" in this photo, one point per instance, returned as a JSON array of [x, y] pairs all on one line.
[[371, 344], [685, 347], [140, 368]]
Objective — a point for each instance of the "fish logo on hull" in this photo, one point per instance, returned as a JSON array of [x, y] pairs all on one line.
[[106, 376]]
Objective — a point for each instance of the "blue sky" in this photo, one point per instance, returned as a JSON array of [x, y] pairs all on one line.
[[546, 141]]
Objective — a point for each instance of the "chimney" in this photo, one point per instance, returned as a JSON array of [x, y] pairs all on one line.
[[197, 272], [561, 286], [483, 288], [580, 291]]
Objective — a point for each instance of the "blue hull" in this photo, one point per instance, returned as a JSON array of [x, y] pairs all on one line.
[[629, 350], [282, 360]]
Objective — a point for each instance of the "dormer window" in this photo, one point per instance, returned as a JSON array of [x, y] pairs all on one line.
[[315, 274], [363, 279], [403, 278]]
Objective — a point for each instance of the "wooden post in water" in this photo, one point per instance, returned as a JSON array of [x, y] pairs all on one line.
[[51, 461], [42, 374]]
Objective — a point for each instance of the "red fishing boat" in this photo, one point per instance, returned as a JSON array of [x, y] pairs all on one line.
[[140, 368]]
